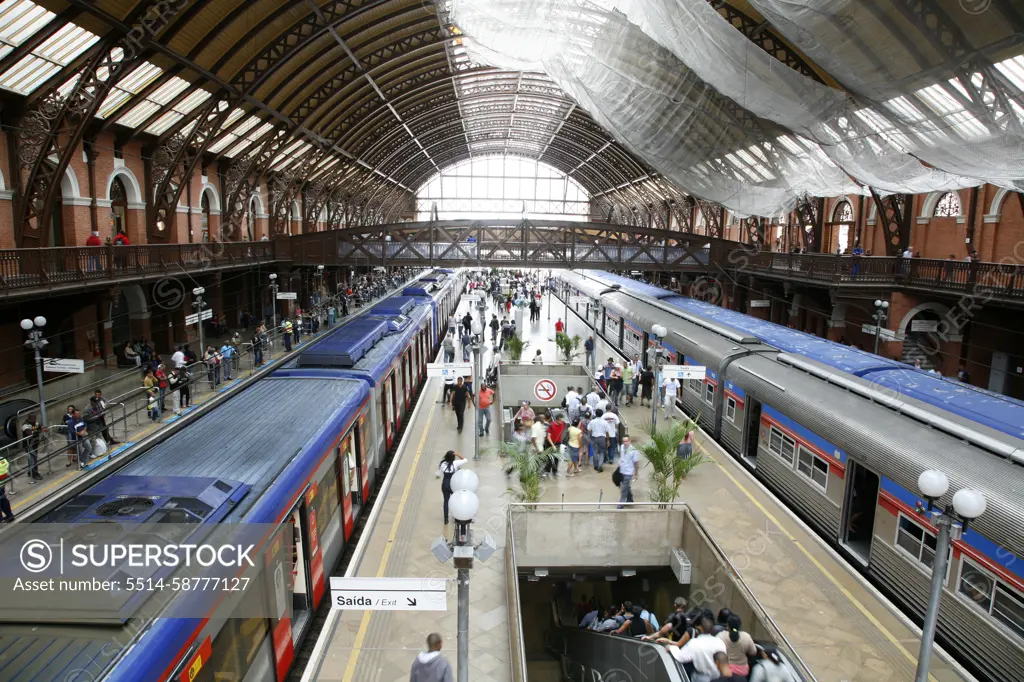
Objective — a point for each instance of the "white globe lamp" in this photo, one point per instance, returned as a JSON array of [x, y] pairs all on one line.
[[969, 504], [465, 479], [932, 484], [464, 505], [659, 331], [26, 324]]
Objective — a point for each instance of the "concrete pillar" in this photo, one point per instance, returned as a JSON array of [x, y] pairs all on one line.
[[104, 311], [140, 326]]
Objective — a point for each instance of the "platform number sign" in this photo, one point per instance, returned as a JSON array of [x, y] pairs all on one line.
[[545, 390]]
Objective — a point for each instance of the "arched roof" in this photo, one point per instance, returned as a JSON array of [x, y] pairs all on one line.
[[376, 92]]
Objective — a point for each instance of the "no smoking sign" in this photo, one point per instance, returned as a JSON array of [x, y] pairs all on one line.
[[545, 390]]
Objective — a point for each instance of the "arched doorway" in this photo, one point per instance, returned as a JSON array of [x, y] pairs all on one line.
[[118, 208], [838, 229]]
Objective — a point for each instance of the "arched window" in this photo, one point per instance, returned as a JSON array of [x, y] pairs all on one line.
[[204, 203], [948, 206], [118, 207], [843, 213]]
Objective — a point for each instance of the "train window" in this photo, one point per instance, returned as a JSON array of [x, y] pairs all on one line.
[[992, 596], [327, 498], [709, 394], [695, 385], [918, 542], [350, 472], [782, 445], [730, 409], [813, 467]]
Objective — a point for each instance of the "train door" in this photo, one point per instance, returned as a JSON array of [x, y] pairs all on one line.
[[406, 376], [752, 431], [301, 577], [387, 409], [351, 490], [859, 510], [363, 438], [280, 569]]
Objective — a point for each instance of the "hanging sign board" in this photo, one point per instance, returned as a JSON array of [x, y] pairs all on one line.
[[925, 326], [455, 369], [194, 317], [287, 296], [389, 594], [761, 303], [64, 365], [684, 372]]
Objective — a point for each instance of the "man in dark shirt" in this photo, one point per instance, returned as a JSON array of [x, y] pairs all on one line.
[[460, 396], [81, 430]]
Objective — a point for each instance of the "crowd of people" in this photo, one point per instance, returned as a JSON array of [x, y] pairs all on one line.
[[708, 647]]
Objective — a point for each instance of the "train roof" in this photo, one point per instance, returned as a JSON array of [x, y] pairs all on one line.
[[253, 436], [999, 412], [368, 357]]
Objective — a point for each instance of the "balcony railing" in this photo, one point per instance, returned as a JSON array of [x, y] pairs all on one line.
[[63, 266], [996, 280]]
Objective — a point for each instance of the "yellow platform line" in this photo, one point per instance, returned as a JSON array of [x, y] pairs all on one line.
[[353, 661], [824, 571]]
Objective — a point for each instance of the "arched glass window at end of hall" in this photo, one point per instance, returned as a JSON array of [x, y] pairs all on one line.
[[843, 213], [948, 206], [502, 187]]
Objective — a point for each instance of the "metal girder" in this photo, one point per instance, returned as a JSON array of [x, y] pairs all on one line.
[[894, 212], [714, 217], [49, 135], [755, 228], [243, 178], [175, 161], [766, 40], [810, 211]]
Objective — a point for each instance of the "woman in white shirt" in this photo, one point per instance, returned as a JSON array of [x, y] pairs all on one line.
[[451, 463]]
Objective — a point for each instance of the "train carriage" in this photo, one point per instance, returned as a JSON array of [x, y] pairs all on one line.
[[841, 436]]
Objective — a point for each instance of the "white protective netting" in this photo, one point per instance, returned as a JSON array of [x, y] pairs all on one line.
[[697, 100]]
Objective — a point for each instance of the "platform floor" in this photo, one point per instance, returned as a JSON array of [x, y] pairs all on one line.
[[838, 625]]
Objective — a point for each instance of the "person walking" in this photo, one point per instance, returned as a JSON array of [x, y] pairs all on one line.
[[628, 470], [483, 410], [588, 346], [555, 437], [467, 344], [185, 381], [467, 322], [31, 434], [449, 347], [598, 429], [628, 375], [615, 384], [671, 388], [574, 441], [495, 326], [461, 395], [174, 386], [451, 463], [69, 431], [82, 434], [559, 326], [430, 665]]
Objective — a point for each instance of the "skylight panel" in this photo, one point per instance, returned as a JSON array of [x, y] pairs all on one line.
[[178, 112], [47, 59], [19, 19], [130, 85], [902, 107], [1013, 70]]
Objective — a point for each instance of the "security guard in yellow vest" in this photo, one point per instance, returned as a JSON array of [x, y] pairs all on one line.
[[287, 328]]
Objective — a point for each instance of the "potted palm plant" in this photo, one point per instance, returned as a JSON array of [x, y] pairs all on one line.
[[523, 460], [516, 346], [667, 469], [567, 346]]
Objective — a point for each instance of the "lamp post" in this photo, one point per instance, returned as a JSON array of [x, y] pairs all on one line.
[[478, 350], [951, 521], [880, 317], [273, 301], [36, 342], [198, 305], [659, 333], [549, 296], [463, 505]]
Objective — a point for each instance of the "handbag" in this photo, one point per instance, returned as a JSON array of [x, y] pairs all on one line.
[[617, 477]]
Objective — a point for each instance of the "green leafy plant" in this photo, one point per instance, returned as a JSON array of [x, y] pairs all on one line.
[[516, 346], [523, 460], [667, 469], [567, 346]]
